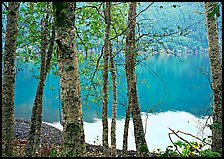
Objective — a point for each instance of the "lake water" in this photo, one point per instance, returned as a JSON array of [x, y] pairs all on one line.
[[176, 93], [156, 127]]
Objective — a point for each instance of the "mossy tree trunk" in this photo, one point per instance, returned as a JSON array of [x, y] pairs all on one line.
[[105, 81], [130, 60], [72, 120], [36, 119], [216, 71], [9, 79], [114, 105]]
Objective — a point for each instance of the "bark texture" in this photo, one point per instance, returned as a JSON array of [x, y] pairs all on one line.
[[126, 127], [216, 71], [72, 120], [130, 61], [105, 81], [36, 119], [9, 80], [114, 105]]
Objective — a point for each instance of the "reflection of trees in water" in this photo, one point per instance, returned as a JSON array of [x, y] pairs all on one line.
[[179, 76]]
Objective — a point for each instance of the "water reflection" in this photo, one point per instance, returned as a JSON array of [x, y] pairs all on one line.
[[156, 128], [164, 84]]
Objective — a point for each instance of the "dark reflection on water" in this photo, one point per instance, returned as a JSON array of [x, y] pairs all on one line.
[[180, 87]]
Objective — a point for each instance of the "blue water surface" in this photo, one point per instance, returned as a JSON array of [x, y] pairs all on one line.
[[164, 83]]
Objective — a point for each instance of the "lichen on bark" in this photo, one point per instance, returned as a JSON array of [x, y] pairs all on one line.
[[9, 80], [72, 120], [130, 61], [216, 71], [105, 81]]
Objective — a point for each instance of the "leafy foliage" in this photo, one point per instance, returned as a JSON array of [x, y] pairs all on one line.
[[193, 149], [215, 10], [155, 32]]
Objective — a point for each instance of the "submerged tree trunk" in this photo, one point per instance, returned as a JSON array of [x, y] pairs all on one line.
[[105, 81], [114, 105], [216, 71], [9, 80], [72, 120], [36, 119], [140, 141]]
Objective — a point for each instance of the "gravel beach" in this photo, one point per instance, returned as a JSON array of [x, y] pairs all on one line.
[[49, 134], [53, 136]]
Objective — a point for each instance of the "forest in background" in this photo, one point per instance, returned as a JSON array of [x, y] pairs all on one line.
[[93, 40]]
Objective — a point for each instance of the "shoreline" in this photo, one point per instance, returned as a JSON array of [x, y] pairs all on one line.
[[49, 134], [53, 136], [155, 126]]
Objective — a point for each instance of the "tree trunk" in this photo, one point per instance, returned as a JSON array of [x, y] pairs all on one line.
[[72, 120], [105, 81], [216, 71], [9, 80], [36, 119], [140, 141], [126, 127], [114, 106]]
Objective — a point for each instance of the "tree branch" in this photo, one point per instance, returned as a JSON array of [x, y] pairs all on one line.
[[97, 9], [96, 68], [176, 133], [81, 41], [131, 21], [173, 143], [7, 8]]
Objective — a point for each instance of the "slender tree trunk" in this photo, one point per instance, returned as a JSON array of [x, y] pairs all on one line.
[[126, 127], [105, 81], [127, 118], [34, 139], [9, 80], [36, 119], [216, 71], [72, 120], [114, 106], [140, 141]]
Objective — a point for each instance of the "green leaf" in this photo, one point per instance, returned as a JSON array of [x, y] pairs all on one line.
[[150, 110], [155, 34], [211, 14], [5, 12], [215, 11]]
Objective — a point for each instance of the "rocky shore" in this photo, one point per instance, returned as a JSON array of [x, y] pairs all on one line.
[[49, 134], [53, 136]]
